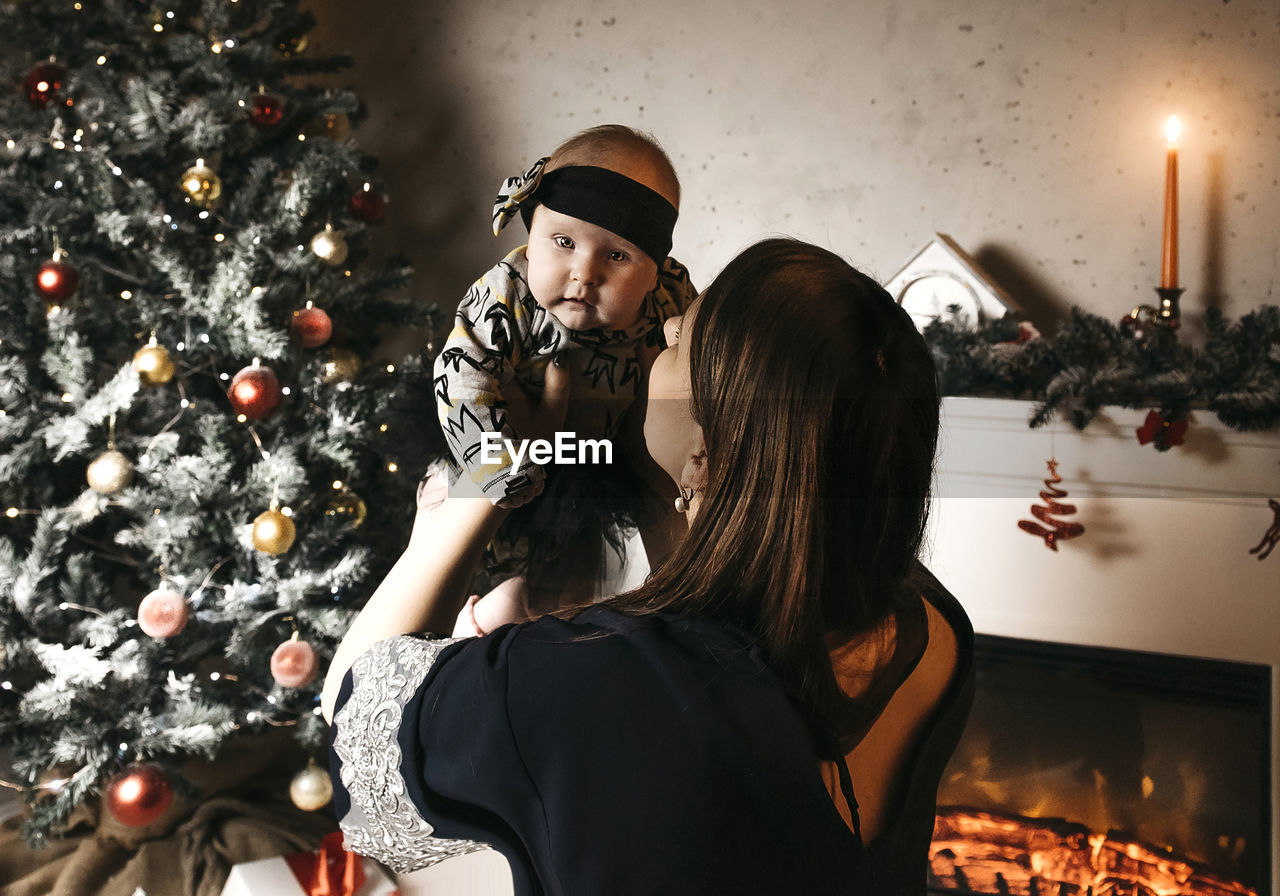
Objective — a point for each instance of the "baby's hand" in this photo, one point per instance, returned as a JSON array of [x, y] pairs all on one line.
[[509, 602]]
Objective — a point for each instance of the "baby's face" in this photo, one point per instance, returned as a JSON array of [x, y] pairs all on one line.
[[588, 277]]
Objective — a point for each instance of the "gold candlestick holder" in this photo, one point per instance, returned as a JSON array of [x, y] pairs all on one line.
[[1146, 322], [1169, 315]]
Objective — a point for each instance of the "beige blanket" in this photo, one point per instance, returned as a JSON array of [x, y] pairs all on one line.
[[244, 814]]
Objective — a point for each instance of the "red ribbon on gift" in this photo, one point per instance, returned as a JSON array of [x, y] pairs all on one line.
[[331, 871]]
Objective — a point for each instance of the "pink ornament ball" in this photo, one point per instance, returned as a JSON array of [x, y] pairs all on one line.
[[294, 664], [162, 613]]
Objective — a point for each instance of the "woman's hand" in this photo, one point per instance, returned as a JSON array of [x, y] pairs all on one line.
[[537, 419], [540, 418]]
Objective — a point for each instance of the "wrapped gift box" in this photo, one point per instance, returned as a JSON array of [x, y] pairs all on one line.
[[330, 871]]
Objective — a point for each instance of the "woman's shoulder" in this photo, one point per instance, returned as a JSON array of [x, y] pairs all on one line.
[[647, 637]]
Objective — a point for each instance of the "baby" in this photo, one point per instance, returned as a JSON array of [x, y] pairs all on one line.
[[592, 289]]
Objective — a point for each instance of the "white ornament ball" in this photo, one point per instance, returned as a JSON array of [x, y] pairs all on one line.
[[109, 472], [311, 789], [330, 246]]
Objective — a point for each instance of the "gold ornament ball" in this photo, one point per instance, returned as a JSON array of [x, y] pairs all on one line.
[[201, 185], [347, 505], [273, 532], [154, 364], [330, 246], [311, 789], [109, 472], [340, 365]]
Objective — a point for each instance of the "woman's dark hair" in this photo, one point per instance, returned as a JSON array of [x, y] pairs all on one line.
[[818, 403]]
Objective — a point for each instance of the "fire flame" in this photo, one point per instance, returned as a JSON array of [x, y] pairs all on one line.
[[982, 852]]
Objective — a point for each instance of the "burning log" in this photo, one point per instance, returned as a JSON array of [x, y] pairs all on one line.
[[980, 853]]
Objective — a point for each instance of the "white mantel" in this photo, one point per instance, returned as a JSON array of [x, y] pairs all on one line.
[[1163, 565]]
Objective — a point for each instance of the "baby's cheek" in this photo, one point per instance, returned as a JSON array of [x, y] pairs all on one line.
[[544, 291]]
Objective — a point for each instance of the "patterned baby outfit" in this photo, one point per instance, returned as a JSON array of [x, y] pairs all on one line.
[[503, 339]]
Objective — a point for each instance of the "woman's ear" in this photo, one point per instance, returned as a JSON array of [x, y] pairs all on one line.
[[694, 474]]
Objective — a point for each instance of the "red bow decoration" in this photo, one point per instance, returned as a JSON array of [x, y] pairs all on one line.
[[1164, 433], [331, 871]]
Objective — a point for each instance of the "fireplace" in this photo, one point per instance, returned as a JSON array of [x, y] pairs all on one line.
[[1163, 569], [1099, 771]]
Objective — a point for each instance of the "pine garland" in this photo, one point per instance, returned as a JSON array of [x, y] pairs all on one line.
[[1093, 362]]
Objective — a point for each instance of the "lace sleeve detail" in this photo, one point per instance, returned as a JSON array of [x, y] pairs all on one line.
[[384, 823]]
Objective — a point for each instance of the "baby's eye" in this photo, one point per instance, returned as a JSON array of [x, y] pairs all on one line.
[[619, 255], [563, 242]]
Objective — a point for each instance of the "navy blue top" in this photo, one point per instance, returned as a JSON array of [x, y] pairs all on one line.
[[615, 754]]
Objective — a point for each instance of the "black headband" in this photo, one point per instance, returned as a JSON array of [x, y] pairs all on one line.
[[610, 200]]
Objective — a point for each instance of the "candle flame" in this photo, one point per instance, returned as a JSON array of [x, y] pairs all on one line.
[[1172, 128]]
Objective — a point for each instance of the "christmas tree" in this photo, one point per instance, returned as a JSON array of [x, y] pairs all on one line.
[[205, 465]]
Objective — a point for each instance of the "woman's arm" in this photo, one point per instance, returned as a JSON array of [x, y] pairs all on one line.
[[428, 585], [425, 588]]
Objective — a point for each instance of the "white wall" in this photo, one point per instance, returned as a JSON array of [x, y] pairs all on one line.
[[1030, 131]]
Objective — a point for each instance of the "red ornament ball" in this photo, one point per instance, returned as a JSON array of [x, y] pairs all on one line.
[[56, 281], [255, 392], [44, 84], [139, 794], [311, 326], [294, 664], [162, 613], [369, 205], [267, 110]]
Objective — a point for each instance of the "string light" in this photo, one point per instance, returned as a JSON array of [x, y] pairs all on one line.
[[393, 467]]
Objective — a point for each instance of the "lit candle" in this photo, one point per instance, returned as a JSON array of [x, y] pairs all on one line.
[[1169, 245]]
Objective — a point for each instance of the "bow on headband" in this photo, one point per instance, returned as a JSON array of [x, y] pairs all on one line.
[[515, 190]]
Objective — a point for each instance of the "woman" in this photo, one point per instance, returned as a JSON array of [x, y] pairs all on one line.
[[707, 732]]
